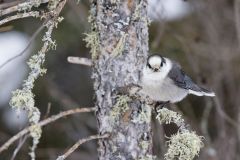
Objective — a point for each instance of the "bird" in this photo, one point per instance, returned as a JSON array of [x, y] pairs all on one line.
[[164, 81]]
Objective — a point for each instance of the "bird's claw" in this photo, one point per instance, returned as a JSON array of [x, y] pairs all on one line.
[[160, 105]]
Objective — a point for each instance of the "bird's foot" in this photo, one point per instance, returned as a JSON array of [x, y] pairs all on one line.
[[160, 105]]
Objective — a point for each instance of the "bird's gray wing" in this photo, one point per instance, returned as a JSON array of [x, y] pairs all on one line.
[[181, 79]]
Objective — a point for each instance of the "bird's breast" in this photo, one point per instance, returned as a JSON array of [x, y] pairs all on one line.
[[163, 90]]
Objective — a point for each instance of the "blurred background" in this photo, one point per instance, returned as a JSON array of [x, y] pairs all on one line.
[[203, 35]]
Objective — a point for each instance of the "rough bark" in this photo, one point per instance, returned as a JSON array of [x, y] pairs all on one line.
[[122, 33]]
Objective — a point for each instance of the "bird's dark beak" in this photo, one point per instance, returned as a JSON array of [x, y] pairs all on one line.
[[155, 69]]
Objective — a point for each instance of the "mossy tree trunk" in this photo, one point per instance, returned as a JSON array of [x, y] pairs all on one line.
[[120, 47]]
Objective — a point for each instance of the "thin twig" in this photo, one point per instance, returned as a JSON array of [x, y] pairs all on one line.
[[19, 16], [48, 110], [223, 114], [21, 142], [43, 123], [205, 121], [80, 60], [24, 50], [18, 6], [10, 4], [81, 141], [6, 28]]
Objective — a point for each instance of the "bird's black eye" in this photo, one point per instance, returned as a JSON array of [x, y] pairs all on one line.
[[149, 66], [161, 64]]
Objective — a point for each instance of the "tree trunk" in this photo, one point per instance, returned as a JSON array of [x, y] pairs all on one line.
[[121, 33]]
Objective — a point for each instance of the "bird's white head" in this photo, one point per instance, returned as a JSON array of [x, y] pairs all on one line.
[[157, 67]]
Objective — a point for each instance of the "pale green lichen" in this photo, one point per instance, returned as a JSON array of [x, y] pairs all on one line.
[[60, 19], [144, 145], [122, 101], [92, 19], [52, 4], [120, 45], [148, 21], [27, 6], [120, 107], [167, 116], [24, 98], [137, 12], [34, 115], [35, 132], [184, 146], [144, 116], [35, 63], [49, 43], [92, 40]]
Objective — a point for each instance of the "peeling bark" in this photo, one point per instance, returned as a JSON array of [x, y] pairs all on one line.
[[121, 27]]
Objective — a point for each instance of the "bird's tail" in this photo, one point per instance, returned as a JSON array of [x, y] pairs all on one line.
[[202, 92]]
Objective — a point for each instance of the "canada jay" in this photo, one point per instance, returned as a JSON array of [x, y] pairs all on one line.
[[163, 80]]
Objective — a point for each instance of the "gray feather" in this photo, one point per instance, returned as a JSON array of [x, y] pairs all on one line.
[[182, 80]]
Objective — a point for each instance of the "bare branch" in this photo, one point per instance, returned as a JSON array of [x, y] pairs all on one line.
[[48, 110], [10, 4], [24, 50], [205, 120], [223, 114], [19, 16], [43, 123], [24, 15], [20, 144], [18, 6], [81, 141], [6, 28], [80, 60]]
